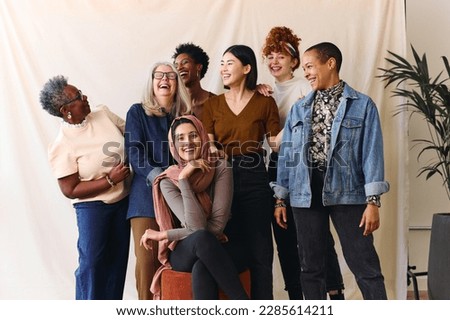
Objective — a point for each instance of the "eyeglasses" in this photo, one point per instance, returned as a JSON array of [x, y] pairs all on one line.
[[171, 75], [78, 97]]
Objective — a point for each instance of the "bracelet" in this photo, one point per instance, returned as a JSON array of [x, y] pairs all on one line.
[[280, 205], [375, 200], [112, 183]]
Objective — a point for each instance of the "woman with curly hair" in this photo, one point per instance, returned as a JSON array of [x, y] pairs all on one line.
[[87, 159], [281, 54], [192, 63]]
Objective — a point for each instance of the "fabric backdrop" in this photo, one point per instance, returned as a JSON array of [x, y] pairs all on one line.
[[107, 48]]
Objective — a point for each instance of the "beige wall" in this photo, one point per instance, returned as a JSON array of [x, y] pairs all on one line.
[[106, 50], [428, 27]]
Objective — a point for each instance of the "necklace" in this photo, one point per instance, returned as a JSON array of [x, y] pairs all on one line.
[[74, 125]]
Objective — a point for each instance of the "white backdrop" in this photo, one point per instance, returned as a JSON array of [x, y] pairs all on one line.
[[107, 48]]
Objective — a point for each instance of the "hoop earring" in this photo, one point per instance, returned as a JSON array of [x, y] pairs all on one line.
[[69, 115]]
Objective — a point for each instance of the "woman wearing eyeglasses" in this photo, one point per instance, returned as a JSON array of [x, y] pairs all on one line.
[[147, 148], [87, 160]]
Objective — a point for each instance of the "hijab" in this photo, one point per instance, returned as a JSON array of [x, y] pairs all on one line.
[[199, 181]]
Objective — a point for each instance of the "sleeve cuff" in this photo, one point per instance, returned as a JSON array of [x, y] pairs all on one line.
[[376, 188], [152, 175], [279, 191]]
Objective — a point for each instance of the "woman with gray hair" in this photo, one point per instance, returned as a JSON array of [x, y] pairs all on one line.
[[147, 148], [87, 160]]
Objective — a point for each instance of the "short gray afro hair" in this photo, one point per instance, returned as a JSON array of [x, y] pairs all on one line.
[[52, 96]]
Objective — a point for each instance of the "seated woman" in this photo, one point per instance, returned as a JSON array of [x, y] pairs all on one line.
[[192, 203]]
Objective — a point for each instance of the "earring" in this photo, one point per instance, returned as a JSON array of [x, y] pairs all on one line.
[[69, 115]]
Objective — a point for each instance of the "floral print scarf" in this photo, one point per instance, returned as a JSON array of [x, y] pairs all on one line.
[[326, 103]]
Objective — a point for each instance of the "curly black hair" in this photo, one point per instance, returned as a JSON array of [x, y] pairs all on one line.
[[52, 96], [196, 53]]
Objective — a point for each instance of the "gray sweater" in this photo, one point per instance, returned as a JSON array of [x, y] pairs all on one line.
[[184, 204]]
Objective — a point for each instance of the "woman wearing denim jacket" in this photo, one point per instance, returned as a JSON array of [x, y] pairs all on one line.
[[282, 56], [331, 165]]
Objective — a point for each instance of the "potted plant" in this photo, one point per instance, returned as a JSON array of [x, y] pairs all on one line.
[[428, 98]]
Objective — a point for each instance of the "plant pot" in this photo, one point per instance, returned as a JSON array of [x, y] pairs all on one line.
[[439, 258]]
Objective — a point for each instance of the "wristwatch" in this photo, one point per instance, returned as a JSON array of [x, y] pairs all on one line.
[[375, 199]]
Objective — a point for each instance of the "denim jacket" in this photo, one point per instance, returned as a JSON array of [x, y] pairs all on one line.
[[355, 163]]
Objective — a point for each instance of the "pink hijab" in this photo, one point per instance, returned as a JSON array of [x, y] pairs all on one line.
[[200, 181]]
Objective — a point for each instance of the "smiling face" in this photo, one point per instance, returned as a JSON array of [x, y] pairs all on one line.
[[280, 65], [77, 105], [187, 142], [187, 68], [232, 70], [164, 87], [320, 75]]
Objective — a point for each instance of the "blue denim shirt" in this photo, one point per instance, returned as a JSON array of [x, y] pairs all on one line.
[[355, 163]]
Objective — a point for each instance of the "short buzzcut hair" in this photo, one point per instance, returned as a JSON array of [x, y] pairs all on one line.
[[327, 50]]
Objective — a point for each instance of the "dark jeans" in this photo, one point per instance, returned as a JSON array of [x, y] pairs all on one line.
[[313, 225], [249, 228], [289, 252], [103, 245], [286, 241], [204, 256]]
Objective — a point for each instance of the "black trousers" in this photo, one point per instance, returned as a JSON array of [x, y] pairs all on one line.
[[290, 252], [211, 266], [249, 228]]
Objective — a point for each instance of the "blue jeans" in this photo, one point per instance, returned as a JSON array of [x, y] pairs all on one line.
[[249, 229], [103, 245], [313, 225], [204, 256]]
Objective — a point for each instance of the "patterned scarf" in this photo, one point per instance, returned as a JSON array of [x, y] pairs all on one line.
[[326, 103]]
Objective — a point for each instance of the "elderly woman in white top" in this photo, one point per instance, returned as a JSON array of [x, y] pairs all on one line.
[[87, 160]]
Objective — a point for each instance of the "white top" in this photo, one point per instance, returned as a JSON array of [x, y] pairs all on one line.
[[287, 93], [91, 150]]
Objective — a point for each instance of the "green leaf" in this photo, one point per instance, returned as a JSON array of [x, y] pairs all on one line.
[[429, 98]]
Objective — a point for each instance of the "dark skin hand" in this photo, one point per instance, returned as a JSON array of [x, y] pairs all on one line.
[[72, 187]]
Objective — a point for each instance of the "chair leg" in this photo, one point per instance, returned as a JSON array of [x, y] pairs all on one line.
[[413, 276], [415, 286]]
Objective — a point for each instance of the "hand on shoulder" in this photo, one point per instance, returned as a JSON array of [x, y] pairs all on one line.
[[264, 89]]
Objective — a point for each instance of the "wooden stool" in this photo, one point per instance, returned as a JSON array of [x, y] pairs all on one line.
[[177, 285]]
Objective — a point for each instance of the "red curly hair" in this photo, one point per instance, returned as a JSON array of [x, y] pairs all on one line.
[[282, 39]]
